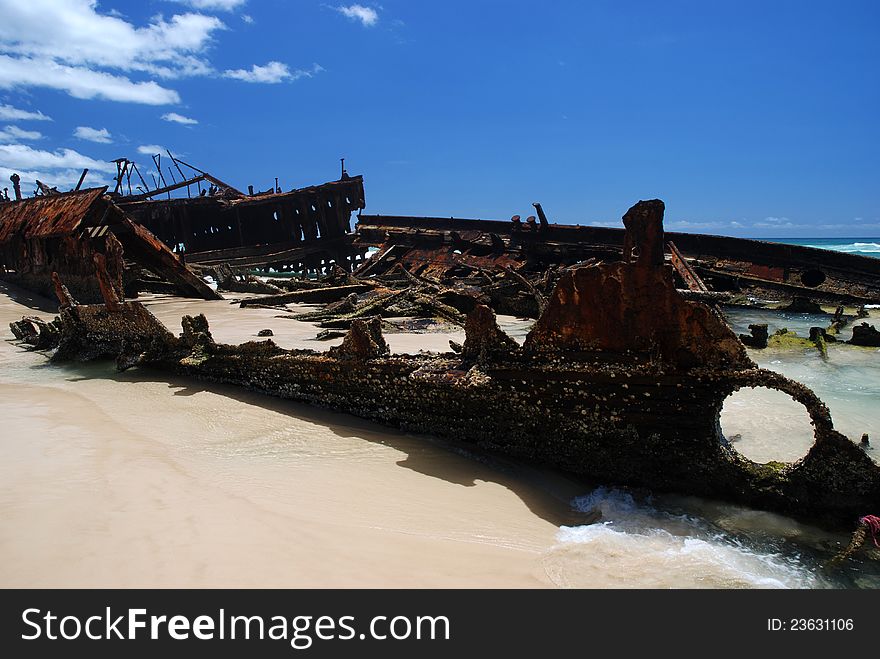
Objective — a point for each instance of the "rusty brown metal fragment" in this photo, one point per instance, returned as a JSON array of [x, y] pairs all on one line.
[[65, 299], [643, 241], [84, 237], [235, 281], [363, 341], [633, 307], [36, 332], [142, 246], [48, 217], [311, 296], [686, 272], [483, 338], [108, 291]]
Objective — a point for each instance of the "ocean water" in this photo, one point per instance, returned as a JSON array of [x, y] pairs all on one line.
[[649, 541], [863, 246], [644, 540]]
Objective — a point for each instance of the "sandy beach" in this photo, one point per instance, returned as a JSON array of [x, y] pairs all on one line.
[[140, 479], [119, 481]]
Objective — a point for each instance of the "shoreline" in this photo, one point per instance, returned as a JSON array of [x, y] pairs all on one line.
[[235, 484]]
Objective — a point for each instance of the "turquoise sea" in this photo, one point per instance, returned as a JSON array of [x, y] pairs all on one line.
[[864, 246]]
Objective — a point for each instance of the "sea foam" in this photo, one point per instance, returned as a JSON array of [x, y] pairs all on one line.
[[649, 547]]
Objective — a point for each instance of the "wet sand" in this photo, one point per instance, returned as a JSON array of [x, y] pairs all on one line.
[[122, 480], [141, 479]]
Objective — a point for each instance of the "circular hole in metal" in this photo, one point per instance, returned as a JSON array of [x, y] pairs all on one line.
[[766, 425], [813, 278]]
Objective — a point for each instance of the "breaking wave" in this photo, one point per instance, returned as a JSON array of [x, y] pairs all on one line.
[[850, 248], [637, 545]]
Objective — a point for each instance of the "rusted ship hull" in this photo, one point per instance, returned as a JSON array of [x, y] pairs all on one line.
[[608, 423], [303, 230], [621, 380]]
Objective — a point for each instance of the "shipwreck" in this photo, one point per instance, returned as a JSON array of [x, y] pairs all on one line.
[[621, 379], [305, 230], [87, 239], [219, 231], [711, 268]]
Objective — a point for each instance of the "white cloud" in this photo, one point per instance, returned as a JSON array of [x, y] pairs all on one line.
[[150, 149], [16, 134], [179, 119], [212, 5], [777, 223], [73, 47], [61, 178], [701, 227], [90, 52], [102, 136], [271, 73], [14, 114], [78, 35], [25, 157], [60, 168], [366, 15], [247, 18], [80, 82]]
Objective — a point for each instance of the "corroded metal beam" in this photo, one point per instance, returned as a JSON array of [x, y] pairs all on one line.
[[691, 279]]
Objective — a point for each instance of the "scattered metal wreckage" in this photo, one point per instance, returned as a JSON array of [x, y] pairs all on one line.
[[711, 268], [218, 230], [621, 380]]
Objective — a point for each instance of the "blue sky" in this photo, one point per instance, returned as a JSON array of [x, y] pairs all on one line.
[[747, 118]]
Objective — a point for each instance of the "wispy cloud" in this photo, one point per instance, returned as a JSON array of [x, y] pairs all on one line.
[[61, 167], [703, 226], [247, 18], [212, 5], [366, 15], [150, 149], [271, 73], [173, 117], [15, 134], [15, 114], [80, 82], [20, 155], [101, 136], [776, 223]]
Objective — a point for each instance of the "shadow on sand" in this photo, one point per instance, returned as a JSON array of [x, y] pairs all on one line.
[[28, 298], [545, 492]]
